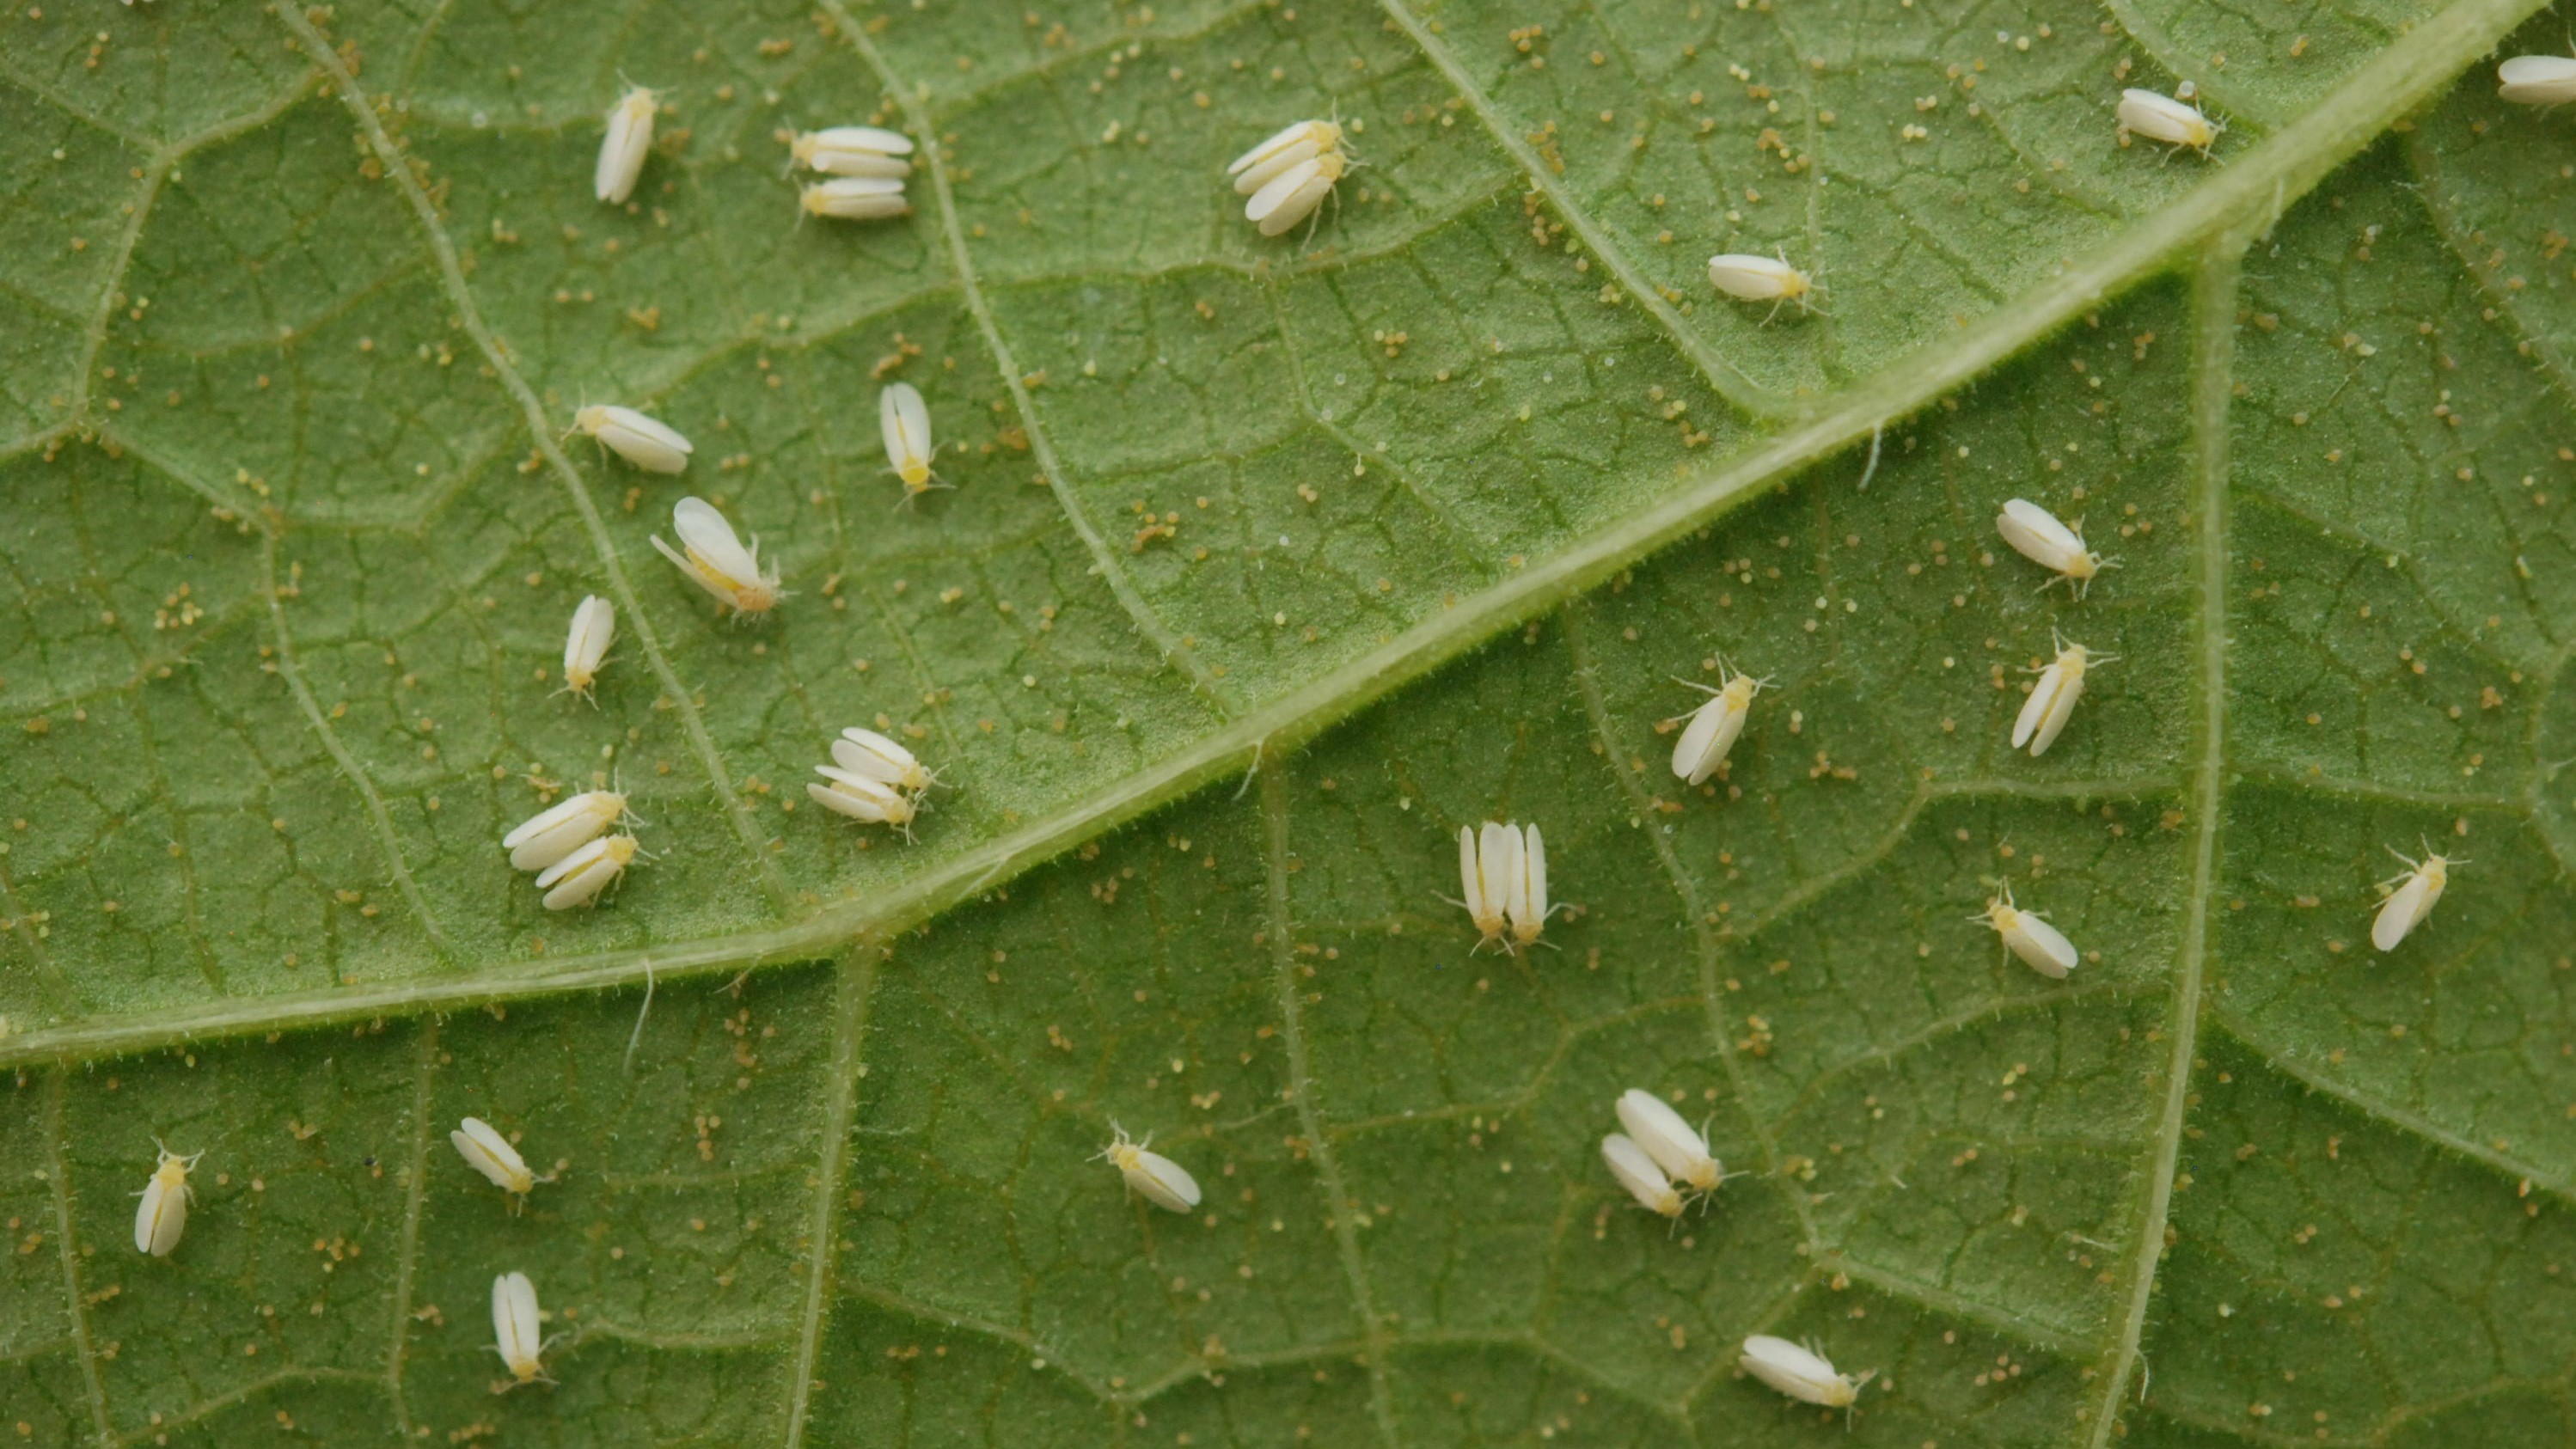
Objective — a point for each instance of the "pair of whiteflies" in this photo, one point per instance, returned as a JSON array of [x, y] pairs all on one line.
[[1662, 1160], [568, 846], [865, 169], [1502, 873], [161, 1219], [1289, 175], [873, 779]]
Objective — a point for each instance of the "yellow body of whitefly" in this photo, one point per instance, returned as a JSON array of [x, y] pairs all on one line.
[[491, 1154], [518, 1328], [2160, 117], [1297, 142], [2053, 698], [594, 628], [855, 198], [1676, 1146], [1801, 1373], [1156, 1178], [1712, 729], [716, 560], [629, 139], [904, 421], [562, 828], [162, 1216], [2041, 946], [852, 151], [645, 441], [1637, 1171], [1291, 196], [579, 878], [2413, 898]]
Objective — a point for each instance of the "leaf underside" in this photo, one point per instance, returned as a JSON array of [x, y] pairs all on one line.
[[1409, 524]]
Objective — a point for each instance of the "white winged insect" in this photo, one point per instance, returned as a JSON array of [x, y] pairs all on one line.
[[1294, 143], [518, 1329], [2054, 697], [855, 198], [865, 752], [1801, 1373], [1752, 277], [863, 797], [579, 878], [491, 1154], [2537, 80], [2160, 117], [1676, 1146], [629, 139], [562, 828], [163, 1214], [851, 151], [2410, 897], [1636, 1171], [2042, 947], [594, 628], [2038, 535], [715, 559], [1156, 1178], [1295, 193], [647, 442], [904, 419], [1502, 871], [1714, 726]]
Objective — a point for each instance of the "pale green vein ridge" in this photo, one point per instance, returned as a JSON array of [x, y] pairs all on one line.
[[407, 1246], [630, 610], [2213, 380], [75, 1303], [2249, 193], [1303, 1090], [853, 990]]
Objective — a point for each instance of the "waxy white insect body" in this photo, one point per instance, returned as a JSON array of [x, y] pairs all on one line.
[[2411, 897], [647, 442], [904, 419], [1801, 1373], [1297, 142], [579, 878], [855, 198], [1293, 195], [628, 141], [2053, 699], [2038, 535], [1752, 277], [1502, 875], [557, 831], [489, 1153], [2160, 117], [1158, 1179], [594, 628], [2041, 946], [163, 1214], [518, 1328], [1637, 1172], [715, 559], [2537, 80], [865, 752], [852, 151], [1676, 1146], [862, 797], [1714, 726]]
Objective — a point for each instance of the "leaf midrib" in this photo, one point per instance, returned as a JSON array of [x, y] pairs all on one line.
[[2247, 194]]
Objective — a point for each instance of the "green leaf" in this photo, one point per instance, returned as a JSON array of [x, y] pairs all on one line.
[[1266, 567]]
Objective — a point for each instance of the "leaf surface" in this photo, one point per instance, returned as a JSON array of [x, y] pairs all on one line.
[[1411, 524]]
